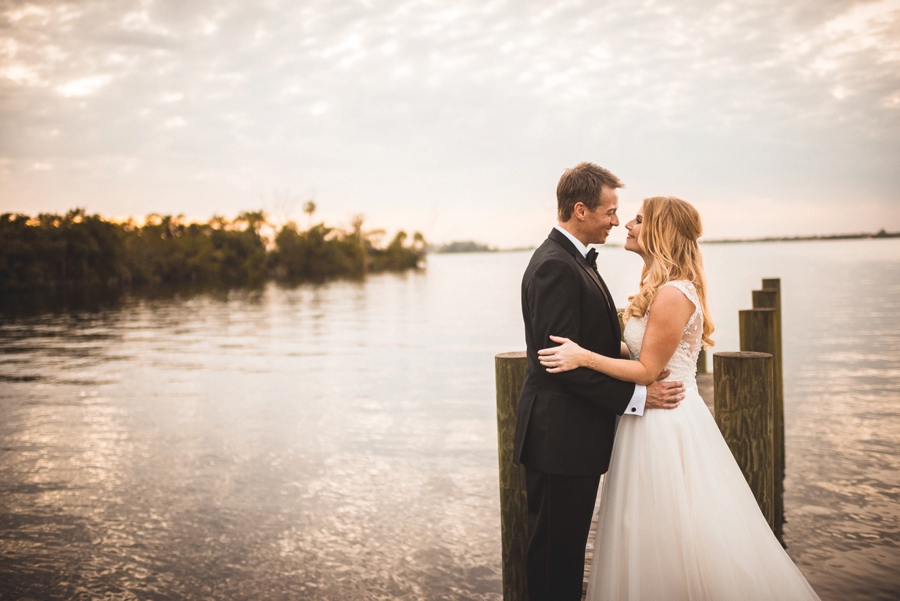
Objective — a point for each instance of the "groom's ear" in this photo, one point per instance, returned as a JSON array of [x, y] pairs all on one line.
[[579, 210]]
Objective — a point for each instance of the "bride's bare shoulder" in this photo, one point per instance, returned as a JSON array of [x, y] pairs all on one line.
[[671, 305]]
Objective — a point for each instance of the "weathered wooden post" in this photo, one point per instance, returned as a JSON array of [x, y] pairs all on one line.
[[701, 362], [510, 373], [757, 331], [770, 298], [771, 284], [744, 402]]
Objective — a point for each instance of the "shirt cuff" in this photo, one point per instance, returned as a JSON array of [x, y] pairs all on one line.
[[638, 400]]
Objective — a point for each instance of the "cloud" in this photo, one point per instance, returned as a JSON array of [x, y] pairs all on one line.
[[398, 106], [20, 74], [84, 86]]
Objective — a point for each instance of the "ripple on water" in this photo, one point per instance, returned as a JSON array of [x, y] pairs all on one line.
[[339, 441]]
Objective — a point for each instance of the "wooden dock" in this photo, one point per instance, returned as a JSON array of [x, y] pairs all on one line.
[[705, 384]]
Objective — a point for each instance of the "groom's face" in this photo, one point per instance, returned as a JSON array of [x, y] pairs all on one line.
[[601, 220]]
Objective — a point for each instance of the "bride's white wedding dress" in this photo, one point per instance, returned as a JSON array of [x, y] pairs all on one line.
[[677, 520]]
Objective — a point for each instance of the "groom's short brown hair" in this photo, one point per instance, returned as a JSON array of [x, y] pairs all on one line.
[[583, 183]]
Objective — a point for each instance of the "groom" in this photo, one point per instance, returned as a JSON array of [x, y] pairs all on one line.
[[566, 422]]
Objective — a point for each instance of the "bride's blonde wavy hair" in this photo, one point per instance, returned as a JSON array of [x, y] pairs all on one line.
[[669, 234]]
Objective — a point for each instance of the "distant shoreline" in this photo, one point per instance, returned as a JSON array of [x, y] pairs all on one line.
[[81, 250], [859, 236], [476, 247]]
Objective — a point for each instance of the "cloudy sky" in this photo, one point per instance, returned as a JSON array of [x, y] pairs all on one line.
[[455, 118]]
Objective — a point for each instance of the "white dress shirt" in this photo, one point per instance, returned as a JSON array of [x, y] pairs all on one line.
[[639, 398]]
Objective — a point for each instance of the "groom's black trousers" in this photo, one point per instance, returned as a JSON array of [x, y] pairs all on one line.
[[559, 521]]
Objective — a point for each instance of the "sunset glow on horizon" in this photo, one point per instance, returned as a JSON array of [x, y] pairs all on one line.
[[454, 118]]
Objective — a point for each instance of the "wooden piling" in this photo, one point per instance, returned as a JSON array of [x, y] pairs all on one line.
[[757, 332], [744, 412], [770, 298], [510, 373]]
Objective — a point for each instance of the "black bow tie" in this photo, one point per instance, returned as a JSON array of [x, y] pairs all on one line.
[[592, 258]]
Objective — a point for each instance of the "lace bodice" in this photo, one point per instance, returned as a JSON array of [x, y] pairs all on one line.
[[683, 363]]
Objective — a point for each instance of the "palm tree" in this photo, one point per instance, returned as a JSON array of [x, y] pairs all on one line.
[[365, 239], [309, 208], [254, 220]]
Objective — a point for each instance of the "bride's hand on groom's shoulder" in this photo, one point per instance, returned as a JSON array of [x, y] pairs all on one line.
[[565, 357], [664, 395]]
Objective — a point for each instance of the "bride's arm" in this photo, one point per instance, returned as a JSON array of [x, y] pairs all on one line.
[[671, 311]]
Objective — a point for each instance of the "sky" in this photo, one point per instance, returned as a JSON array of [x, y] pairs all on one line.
[[454, 118]]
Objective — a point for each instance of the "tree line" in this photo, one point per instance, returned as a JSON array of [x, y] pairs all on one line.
[[53, 250]]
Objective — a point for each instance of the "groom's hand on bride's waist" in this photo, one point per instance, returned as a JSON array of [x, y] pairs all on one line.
[[664, 395]]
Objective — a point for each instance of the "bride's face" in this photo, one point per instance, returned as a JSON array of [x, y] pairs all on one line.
[[634, 232]]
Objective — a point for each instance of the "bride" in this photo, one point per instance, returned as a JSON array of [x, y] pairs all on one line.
[[677, 520]]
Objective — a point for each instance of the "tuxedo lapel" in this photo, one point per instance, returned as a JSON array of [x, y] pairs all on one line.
[[594, 276], [610, 307], [561, 239], [613, 312]]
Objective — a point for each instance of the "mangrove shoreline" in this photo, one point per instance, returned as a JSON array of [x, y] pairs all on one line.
[[52, 252]]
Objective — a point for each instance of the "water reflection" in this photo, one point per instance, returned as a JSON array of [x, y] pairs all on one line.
[[276, 443], [846, 431], [338, 440]]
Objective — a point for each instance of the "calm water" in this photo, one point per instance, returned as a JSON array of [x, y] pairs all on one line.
[[339, 442]]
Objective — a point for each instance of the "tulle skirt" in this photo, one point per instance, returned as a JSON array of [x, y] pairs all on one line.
[[677, 520]]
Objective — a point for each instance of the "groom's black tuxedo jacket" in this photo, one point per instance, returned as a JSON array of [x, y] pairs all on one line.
[[566, 422]]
